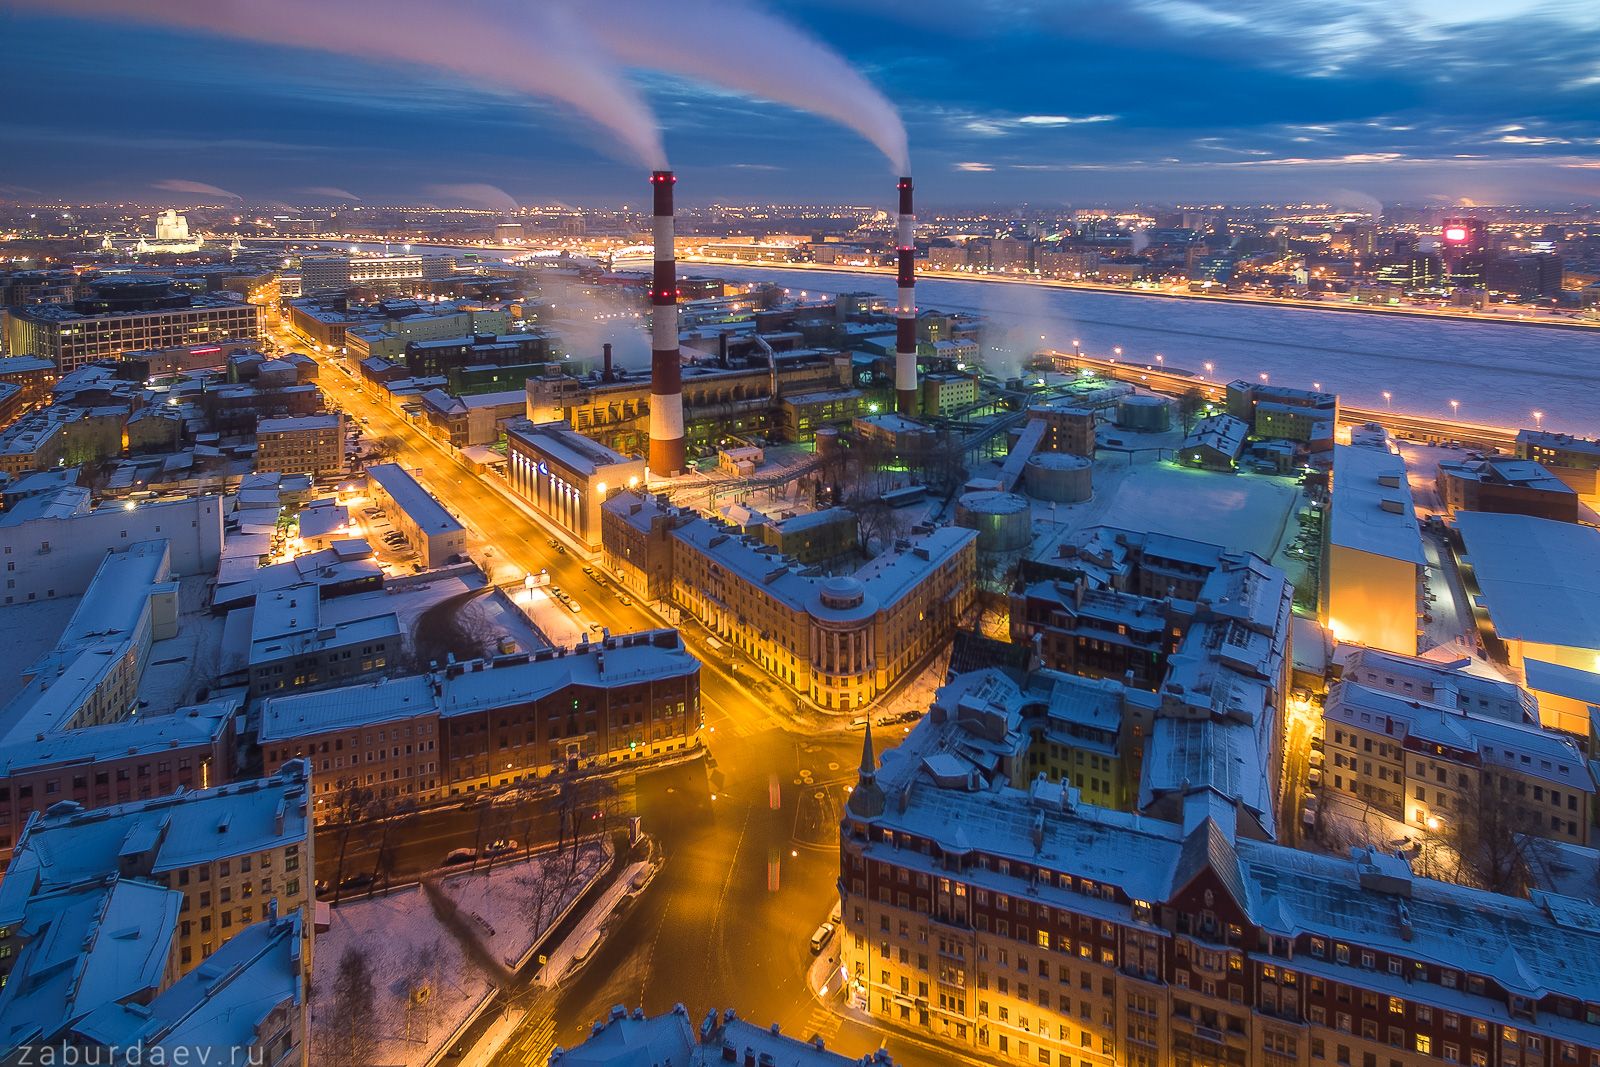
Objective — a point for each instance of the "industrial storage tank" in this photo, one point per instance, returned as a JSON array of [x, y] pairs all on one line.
[[1004, 521], [827, 440], [1060, 477], [1146, 414]]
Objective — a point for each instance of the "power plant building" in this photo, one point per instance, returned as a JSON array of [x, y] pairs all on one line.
[[566, 476]]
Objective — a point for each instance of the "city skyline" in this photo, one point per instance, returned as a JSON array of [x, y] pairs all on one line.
[[1162, 102]]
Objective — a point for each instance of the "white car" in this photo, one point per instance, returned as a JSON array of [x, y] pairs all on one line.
[[820, 939]]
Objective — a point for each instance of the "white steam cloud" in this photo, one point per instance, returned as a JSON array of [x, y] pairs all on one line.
[[182, 185], [331, 192], [538, 49], [474, 194], [560, 50], [732, 44]]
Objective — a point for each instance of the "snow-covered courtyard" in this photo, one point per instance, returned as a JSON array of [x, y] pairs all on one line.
[[432, 972]]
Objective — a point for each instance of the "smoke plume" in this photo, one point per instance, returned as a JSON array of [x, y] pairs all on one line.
[[474, 194], [331, 192], [538, 49], [737, 46], [181, 185]]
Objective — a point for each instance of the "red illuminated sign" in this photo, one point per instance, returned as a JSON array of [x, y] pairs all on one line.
[[1455, 233]]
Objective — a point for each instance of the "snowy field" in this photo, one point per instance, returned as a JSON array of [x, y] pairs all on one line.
[[1238, 511], [428, 984]]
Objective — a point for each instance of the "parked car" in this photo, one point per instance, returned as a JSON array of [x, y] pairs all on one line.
[[458, 856], [573, 606], [820, 939], [501, 847]]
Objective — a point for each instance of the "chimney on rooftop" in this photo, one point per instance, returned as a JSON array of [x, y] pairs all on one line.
[[606, 350], [666, 370]]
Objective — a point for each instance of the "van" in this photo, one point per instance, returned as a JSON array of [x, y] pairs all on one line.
[[819, 940]]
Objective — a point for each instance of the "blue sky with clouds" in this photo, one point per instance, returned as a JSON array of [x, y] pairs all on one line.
[[1047, 100]]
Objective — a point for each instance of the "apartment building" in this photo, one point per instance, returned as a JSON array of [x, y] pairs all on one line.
[[308, 444], [486, 724], [1011, 921], [235, 854], [837, 641], [297, 640], [1279, 412], [1507, 486], [1429, 745], [145, 894], [1201, 640], [1556, 450]]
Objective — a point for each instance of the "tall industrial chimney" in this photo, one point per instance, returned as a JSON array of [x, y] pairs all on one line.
[[905, 347], [666, 370]]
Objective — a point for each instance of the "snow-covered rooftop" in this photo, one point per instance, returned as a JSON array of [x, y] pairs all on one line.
[[1540, 579]]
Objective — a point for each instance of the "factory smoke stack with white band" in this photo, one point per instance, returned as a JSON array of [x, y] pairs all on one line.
[[905, 348], [666, 371]]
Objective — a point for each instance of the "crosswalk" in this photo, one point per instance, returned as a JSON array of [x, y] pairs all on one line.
[[821, 1023]]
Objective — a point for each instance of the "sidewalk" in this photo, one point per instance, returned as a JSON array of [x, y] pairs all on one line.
[[827, 983], [578, 946]]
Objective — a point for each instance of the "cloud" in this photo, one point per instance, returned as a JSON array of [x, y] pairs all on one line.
[[183, 185], [976, 168], [1518, 138], [331, 192], [474, 194], [999, 126]]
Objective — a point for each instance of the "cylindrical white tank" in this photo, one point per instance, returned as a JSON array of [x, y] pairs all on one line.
[[1147, 414], [1004, 521], [1060, 477]]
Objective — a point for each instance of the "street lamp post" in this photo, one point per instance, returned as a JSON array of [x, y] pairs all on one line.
[[1455, 408], [1387, 397], [1209, 366], [1538, 420]]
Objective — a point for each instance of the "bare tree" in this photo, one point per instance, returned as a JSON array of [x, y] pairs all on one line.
[[384, 448], [352, 1040], [350, 809], [1491, 835], [879, 522], [1190, 404]]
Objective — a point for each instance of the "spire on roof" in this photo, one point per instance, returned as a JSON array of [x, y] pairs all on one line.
[[867, 800]]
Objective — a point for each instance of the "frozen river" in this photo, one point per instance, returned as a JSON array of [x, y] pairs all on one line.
[[1500, 374]]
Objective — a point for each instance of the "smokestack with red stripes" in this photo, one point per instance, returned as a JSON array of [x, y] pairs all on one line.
[[666, 370], [905, 348]]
